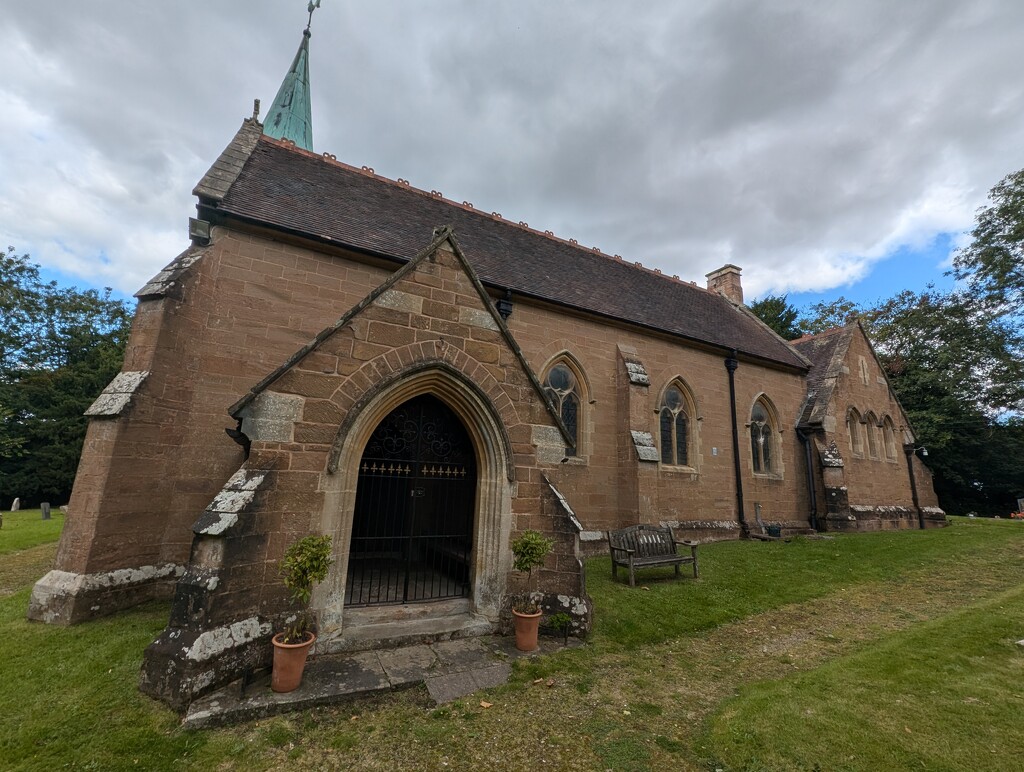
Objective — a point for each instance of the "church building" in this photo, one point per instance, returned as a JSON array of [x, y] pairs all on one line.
[[341, 353]]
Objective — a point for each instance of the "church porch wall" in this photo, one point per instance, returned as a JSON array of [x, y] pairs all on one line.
[[200, 348]]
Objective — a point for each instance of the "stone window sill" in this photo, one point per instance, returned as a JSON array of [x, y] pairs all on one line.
[[680, 471]]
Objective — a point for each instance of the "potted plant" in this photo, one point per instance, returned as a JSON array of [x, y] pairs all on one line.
[[304, 564], [528, 553]]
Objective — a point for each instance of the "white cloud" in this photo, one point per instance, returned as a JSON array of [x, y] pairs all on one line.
[[802, 142]]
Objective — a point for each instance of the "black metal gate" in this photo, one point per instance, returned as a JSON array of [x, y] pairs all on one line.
[[412, 532]]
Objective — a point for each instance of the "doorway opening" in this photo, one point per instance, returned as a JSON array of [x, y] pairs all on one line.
[[412, 529]]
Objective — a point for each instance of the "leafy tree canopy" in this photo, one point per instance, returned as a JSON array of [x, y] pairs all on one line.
[[777, 313], [993, 263], [826, 316], [58, 348], [956, 359]]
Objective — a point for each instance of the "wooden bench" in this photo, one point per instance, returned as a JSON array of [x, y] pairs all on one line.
[[647, 546]]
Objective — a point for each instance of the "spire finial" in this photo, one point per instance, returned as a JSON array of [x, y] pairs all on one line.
[[311, 7]]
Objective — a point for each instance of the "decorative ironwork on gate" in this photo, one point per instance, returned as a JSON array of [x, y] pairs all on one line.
[[412, 532]]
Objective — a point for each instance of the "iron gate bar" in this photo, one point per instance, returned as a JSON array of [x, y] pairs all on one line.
[[413, 523]]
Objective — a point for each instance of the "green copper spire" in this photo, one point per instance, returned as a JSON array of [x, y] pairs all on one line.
[[290, 116]]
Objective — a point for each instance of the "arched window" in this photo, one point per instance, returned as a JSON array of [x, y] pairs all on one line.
[[853, 428], [871, 430], [889, 438], [762, 440], [562, 386], [674, 420]]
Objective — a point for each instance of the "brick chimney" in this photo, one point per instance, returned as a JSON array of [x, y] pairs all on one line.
[[726, 281]]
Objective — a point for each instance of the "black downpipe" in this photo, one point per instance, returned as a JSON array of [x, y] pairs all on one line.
[[731, 363], [909, 450], [812, 489]]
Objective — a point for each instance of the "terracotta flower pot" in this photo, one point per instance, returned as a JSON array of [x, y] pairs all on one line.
[[289, 662], [526, 630]]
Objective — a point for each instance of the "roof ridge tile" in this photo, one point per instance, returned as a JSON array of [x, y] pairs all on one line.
[[467, 206]]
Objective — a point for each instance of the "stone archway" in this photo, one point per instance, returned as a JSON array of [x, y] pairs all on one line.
[[490, 559], [412, 528]]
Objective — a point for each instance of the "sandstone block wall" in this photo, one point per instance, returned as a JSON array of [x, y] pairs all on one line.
[[876, 483], [700, 498]]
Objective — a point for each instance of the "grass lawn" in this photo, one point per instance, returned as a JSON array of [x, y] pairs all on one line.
[[867, 652], [26, 528]]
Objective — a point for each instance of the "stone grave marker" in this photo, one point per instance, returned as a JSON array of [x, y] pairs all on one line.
[[16, 505], [45, 506]]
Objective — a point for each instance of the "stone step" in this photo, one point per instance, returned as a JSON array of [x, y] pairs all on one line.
[[390, 634]]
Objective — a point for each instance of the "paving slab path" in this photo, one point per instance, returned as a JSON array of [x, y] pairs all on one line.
[[449, 670]]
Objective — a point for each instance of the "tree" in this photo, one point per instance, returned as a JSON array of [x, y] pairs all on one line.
[[947, 337], [826, 316], [58, 348], [774, 311], [957, 367], [993, 263]]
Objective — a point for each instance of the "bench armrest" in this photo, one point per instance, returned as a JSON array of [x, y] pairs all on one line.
[[621, 549], [685, 543]]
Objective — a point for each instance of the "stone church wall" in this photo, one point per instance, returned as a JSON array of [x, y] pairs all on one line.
[[308, 428], [877, 482], [699, 500], [238, 310], [247, 302]]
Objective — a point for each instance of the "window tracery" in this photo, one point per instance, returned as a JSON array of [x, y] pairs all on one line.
[[853, 428], [674, 422], [562, 386], [762, 439]]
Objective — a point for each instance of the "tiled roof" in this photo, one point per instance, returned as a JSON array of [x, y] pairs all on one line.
[[303, 193], [826, 351]]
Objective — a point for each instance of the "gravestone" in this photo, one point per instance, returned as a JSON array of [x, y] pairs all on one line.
[[16, 505], [1020, 505], [45, 506]]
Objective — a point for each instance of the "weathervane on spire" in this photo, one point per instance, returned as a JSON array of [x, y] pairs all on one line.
[[311, 7]]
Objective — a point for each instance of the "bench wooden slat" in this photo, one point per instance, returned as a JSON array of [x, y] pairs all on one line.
[[644, 546]]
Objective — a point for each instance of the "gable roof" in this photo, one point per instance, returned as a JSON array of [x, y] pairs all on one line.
[[441, 236], [315, 196], [826, 352]]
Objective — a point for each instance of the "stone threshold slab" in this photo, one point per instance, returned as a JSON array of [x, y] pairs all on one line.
[[449, 669]]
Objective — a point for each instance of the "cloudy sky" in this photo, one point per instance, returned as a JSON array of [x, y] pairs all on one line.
[[827, 148]]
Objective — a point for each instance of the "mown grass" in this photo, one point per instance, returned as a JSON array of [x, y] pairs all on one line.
[[772, 660], [740, 579], [69, 696], [945, 695], [26, 528]]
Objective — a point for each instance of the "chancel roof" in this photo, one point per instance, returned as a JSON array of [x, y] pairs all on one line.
[[274, 184], [827, 354]]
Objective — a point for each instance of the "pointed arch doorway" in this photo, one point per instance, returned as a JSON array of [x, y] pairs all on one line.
[[413, 520]]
